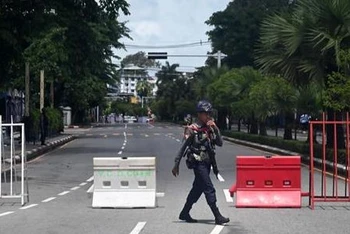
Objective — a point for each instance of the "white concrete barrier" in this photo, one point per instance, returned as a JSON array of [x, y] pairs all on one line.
[[124, 182]]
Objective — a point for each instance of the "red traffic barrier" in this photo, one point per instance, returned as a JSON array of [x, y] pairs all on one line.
[[268, 182]]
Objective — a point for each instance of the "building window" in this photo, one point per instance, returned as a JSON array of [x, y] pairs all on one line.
[[132, 79], [133, 90], [132, 84]]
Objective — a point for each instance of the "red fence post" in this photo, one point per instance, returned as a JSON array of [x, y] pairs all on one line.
[[324, 168], [312, 191], [347, 156]]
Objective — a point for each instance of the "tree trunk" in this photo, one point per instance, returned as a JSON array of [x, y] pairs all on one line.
[[254, 125], [263, 130], [222, 119], [314, 137], [239, 124], [288, 126], [276, 125], [339, 129], [230, 123]]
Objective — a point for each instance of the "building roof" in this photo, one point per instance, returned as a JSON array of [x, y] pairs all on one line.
[[132, 67]]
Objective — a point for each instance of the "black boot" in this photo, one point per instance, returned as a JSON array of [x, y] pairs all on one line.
[[219, 219], [185, 214]]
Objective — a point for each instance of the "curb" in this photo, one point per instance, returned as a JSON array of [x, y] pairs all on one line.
[[31, 154], [304, 158]]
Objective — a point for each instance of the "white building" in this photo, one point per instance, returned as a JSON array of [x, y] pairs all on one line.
[[153, 82], [130, 76]]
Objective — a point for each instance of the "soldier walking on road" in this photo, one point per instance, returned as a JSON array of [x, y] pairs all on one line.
[[199, 147]]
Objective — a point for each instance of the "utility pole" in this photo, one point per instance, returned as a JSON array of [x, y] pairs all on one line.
[[219, 58], [42, 87], [52, 94], [27, 89]]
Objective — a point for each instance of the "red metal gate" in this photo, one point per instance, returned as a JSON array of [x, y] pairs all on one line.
[[329, 165]]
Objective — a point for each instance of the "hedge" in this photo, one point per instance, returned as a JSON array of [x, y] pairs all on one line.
[[55, 119], [300, 147], [32, 123]]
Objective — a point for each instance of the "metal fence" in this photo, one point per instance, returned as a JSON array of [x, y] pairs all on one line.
[[329, 164], [13, 163]]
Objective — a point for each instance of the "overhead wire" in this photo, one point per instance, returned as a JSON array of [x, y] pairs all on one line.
[[194, 44]]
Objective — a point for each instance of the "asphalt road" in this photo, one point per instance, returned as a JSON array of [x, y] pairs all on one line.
[[59, 181]]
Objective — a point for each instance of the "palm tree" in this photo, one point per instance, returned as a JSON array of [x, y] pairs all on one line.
[[143, 89], [305, 46]]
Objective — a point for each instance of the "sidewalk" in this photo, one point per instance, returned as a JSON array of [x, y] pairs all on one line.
[[301, 136], [33, 150], [304, 158]]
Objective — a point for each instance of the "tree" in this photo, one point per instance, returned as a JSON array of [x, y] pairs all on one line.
[[236, 29], [71, 40], [140, 59], [143, 89], [175, 93], [306, 45], [231, 92]]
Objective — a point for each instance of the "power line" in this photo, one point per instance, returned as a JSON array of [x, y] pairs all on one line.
[[168, 46]]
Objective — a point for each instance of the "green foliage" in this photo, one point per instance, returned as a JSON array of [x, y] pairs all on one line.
[[55, 120], [173, 88], [306, 44], [144, 88], [73, 44], [126, 108], [337, 95], [236, 29], [300, 147], [140, 59]]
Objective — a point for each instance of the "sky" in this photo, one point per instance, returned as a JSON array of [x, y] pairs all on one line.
[[171, 22]]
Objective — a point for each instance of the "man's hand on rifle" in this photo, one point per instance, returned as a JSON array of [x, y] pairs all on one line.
[[175, 170]]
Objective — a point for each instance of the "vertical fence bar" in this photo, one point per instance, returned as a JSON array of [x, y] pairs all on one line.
[[347, 182], [335, 161], [11, 154], [324, 168], [1, 143], [312, 191], [22, 166]]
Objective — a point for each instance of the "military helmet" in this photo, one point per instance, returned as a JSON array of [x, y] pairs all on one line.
[[204, 106]]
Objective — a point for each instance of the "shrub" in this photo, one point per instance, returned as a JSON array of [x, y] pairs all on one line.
[[300, 147], [55, 121], [32, 125]]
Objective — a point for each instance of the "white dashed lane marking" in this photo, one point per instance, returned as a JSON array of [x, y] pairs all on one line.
[[49, 199], [75, 188], [63, 193], [217, 229], [90, 179], [120, 152], [83, 184], [6, 213], [28, 207], [228, 195], [138, 228]]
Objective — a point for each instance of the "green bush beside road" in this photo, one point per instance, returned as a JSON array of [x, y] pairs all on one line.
[[32, 123], [300, 147], [55, 125]]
